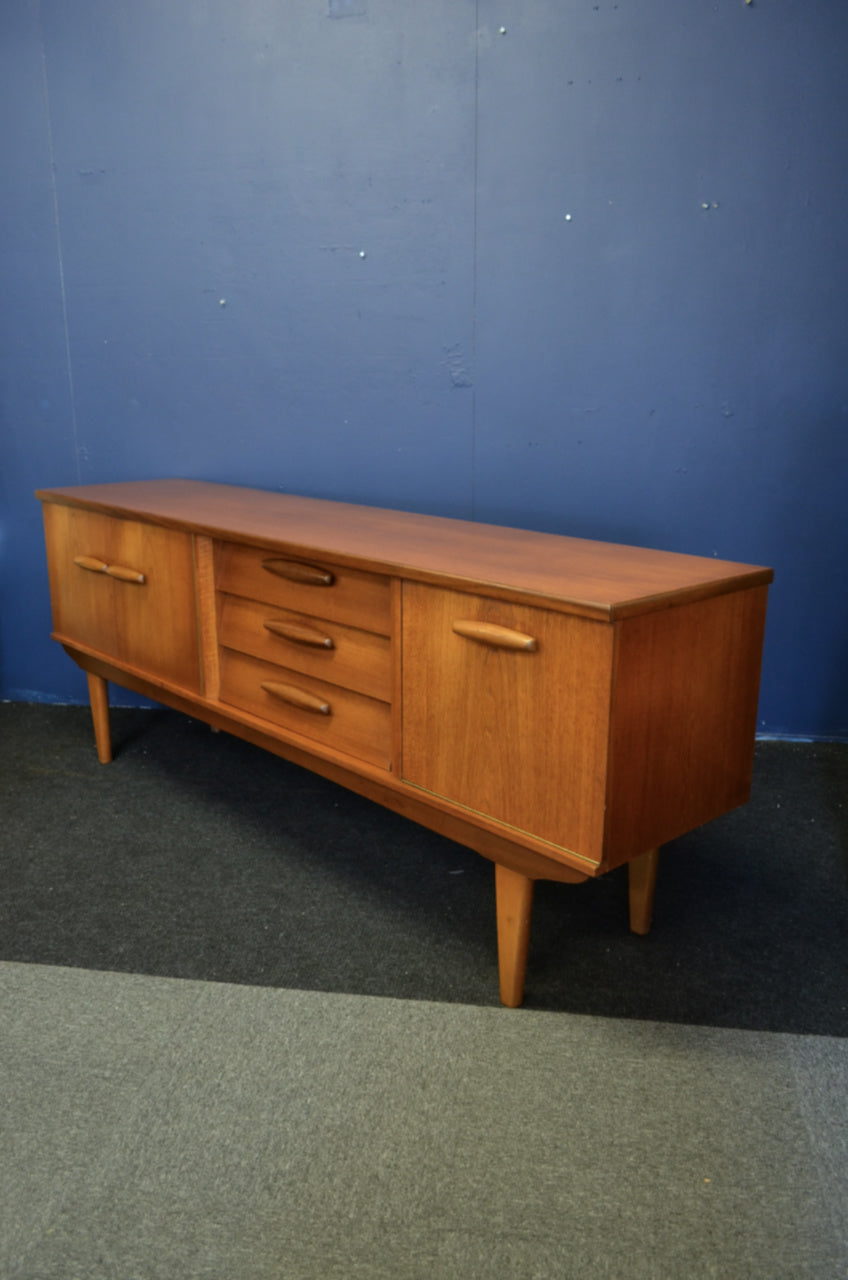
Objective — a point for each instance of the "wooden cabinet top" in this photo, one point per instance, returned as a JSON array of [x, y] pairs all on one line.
[[595, 579]]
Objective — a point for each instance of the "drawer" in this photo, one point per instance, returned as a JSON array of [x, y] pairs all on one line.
[[338, 718], [319, 589], [327, 650], [126, 589]]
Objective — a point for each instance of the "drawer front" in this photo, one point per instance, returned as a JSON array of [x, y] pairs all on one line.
[[321, 590], [336, 717], [124, 589], [506, 712], [327, 650]]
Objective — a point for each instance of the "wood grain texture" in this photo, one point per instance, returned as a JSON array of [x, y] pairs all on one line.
[[685, 691], [396, 675], [93, 563], [642, 881], [295, 695], [207, 611], [359, 599], [596, 579], [518, 735], [310, 575], [121, 571], [497, 637], [308, 634], [356, 659], [355, 725], [98, 696], [152, 625], [514, 906]]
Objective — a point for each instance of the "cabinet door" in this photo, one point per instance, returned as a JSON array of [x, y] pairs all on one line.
[[124, 589], [506, 712]]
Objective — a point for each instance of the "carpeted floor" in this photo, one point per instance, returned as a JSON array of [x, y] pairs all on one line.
[[249, 1029], [155, 1129], [196, 855]]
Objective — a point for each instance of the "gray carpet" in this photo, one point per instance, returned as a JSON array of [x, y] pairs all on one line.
[[249, 1030], [164, 1128], [195, 855]]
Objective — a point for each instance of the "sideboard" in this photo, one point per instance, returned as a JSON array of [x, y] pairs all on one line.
[[560, 706]]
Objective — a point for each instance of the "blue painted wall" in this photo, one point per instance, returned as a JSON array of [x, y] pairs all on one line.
[[569, 265]]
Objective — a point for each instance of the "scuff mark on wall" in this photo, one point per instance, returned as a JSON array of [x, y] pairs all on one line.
[[455, 361]]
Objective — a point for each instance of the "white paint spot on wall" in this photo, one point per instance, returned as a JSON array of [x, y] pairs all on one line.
[[455, 361]]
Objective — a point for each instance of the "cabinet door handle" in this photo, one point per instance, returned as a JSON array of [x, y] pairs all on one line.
[[91, 563], [296, 697], [124, 574], [498, 637], [120, 571], [296, 571], [299, 632]]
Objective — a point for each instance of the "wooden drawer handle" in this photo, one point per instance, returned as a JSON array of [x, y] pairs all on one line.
[[112, 570], [295, 571], [296, 697], [498, 637], [299, 632]]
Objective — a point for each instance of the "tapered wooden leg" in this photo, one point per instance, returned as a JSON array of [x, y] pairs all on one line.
[[514, 895], [643, 878], [98, 693]]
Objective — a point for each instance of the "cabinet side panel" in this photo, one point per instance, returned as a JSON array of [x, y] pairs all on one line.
[[519, 736], [685, 690]]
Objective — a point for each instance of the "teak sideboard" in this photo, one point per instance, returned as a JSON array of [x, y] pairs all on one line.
[[560, 706]]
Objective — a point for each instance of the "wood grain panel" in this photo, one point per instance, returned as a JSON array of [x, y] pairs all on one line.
[[150, 624], [359, 599], [207, 609], [356, 659], [356, 725], [596, 579], [518, 735], [686, 685]]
